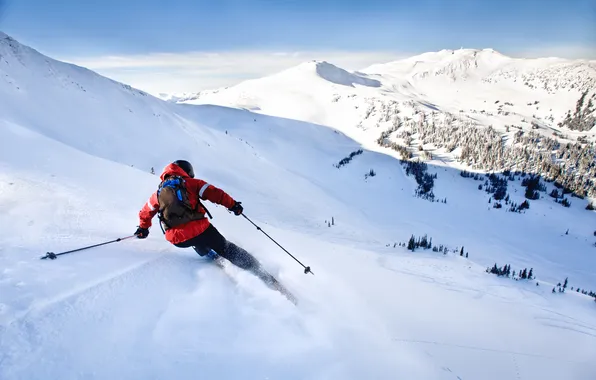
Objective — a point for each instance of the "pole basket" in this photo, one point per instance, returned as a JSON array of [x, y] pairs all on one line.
[[50, 255]]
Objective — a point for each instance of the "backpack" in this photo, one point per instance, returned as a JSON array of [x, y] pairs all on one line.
[[174, 206]]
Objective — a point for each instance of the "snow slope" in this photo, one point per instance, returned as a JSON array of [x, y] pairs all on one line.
[[75, 156]]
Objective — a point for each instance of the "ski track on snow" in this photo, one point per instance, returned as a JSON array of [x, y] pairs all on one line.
[[32, 327]]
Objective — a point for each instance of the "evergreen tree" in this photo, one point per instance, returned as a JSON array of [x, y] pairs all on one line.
[[565, 283], [531, 194], [152, 170], [554, 290], [332, 221], [532, 186], [531, 273], [524, 274], [554, 193], [412, 243], [466, 255], [461, 253]]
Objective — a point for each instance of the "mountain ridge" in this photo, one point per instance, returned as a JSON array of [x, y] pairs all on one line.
[[437, 56]]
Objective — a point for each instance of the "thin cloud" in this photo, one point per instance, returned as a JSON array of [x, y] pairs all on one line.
[[566, 51], [195, 71], [171, 73]]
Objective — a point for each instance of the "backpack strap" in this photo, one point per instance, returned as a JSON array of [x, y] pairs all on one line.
[[199, 203], [162, 221]]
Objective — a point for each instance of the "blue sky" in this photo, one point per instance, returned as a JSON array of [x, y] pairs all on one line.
[[86, 31]]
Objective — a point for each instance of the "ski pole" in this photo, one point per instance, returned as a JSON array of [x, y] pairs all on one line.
[[53, 256], [306, 269]]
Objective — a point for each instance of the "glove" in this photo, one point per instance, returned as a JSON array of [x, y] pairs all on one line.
[[142, 233], [237, 208]]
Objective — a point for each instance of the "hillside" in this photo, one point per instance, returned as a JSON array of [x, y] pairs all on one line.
[[76, 156], [431, 104]]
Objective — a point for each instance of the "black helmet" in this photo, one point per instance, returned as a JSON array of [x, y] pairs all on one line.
[[186, 166]]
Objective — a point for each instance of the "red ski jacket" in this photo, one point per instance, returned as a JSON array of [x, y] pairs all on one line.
[[196, 189]]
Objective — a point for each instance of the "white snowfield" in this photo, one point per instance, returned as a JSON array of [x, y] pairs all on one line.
[[76, 151]]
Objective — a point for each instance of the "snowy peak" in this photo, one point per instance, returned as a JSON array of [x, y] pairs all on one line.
[[20, 64], [326, 71], [9, 46], [340, 76], [447, 55], [490, 66], [12, 49], [321, 76], [461, 64], [451, 64]]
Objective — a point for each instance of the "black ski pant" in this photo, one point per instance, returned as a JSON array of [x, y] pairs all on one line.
[[211, 239]]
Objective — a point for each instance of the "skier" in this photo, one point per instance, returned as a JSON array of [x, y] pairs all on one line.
[[183, 217]]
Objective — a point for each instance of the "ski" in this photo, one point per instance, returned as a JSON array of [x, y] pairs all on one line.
[[274, 284], [221, 263], [263, 275]]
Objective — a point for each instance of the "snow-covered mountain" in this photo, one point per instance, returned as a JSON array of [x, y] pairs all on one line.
[[433, 99], [76, 152]]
